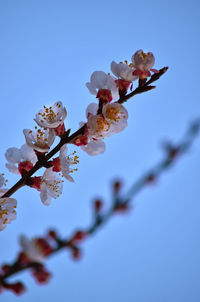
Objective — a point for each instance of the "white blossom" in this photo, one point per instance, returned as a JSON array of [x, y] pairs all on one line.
[[14, 156], [143, 61], [51, 117], [100, 80], [116, 115], [112, 120], [51, 186], [39, 140], [123, 71], [7, 210], [66, 163], [98, 127], [90, 110]]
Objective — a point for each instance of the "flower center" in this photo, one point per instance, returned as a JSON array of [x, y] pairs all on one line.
[[102, 124], [113, 114], [73, 160], [48, 114], [144, 55], [54, 185]]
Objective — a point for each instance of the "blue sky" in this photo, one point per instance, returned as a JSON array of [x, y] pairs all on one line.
[[49, 50]]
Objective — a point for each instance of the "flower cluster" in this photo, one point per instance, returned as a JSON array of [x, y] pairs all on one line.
[[107, 118], [38, 143], [104, 118]]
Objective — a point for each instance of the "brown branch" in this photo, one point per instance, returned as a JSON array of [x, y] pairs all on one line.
[[66, 139]]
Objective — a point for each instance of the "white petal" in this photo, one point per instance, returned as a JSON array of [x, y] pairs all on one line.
[[51, 137], [94, 147], [91, 88], [28, 153], [64, 163], [92, 109], [13, 155], [114, 68], [44, 196], [63, 150], [12, 168], [98, 79], [51, 117]]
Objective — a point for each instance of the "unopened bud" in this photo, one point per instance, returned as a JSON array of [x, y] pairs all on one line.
[[98, 205]]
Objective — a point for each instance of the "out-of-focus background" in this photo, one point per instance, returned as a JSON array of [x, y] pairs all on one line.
[[48, 51]]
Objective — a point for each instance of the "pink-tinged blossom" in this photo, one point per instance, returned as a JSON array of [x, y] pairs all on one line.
[[143, 63], [103, 86], [31, 249], [20, 159], [51, 117], [123, 71], [39, 140], [7, 210], [90, 110]]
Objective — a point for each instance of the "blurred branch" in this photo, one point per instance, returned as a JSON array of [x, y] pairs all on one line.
[[51, 243]]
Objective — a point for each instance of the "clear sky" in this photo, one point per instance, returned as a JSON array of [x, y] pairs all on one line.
[[48, 51]]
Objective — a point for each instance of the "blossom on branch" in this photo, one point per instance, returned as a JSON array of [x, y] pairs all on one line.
[[112, 120], [20, 159], [98, 127], [7, 206], [51, 117], [7, 211], [116, 115], [50, 185], [124, 73], [143, 63], [39, 140], [103, 86], [65, 162]]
